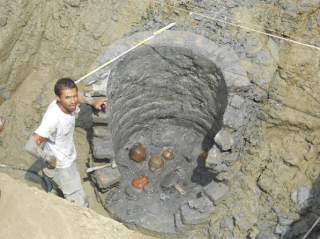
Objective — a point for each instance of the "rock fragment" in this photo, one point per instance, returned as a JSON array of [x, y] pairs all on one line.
[[216, 192]]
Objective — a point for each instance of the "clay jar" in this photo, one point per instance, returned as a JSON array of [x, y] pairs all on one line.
[[168, 153], [155, 163], [138, 152], [140, 183]]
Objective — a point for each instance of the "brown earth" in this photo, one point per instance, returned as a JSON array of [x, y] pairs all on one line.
[[27, 212]]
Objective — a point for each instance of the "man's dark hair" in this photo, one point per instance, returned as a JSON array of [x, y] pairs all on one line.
[[64, 84]]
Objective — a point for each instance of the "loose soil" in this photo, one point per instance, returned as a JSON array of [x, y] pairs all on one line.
[[27, 212]]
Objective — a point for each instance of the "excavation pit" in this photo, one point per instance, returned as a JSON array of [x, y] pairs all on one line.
[[178, 91]]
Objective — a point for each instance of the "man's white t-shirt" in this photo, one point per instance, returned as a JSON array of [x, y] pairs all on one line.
[[58, 129]]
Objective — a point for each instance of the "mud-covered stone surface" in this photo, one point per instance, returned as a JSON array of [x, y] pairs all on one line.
[[274, 181], [162, 96], [177, 92]]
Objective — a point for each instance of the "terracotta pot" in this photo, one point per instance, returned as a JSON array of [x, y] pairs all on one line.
[[140, 183], [168, 153], [155, 163], [1, 123], [138, 152]]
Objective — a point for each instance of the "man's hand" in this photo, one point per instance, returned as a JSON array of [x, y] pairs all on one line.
[[32, 146], [52, 163], [99, 103]]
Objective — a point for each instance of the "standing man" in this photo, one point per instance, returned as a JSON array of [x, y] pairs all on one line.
[[56, 132]]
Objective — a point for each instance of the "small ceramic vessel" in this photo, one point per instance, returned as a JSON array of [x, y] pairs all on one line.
[[138, 152], [140, 183], [168, 153], [155, 163]]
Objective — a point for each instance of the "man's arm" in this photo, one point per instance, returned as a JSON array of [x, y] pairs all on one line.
[[32, 147], [97, 103]]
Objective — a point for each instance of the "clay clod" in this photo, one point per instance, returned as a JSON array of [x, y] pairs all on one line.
[[138, 152]]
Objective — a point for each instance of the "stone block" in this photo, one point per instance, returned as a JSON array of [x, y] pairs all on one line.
[[227, 60], [280, 229], [200, 44], [227, 223], [234, 74], [139, 36], [158, 223], [102, 149], [243, 221], [301, 194], [214, 162], [214, 165], [287, 219], [224, 140], [176, 39], [106, 177], [99, 88], [216, 192], [236, 101], [178, 220], [96, 84], [235, 81], [202, 204], [101, 117], [215, 152], [102, 132], [113, 51], [266, 225], [229, 158], [193, 213], [261, 57], [266, 235], [301, 197], [163, 38], [233, 118]]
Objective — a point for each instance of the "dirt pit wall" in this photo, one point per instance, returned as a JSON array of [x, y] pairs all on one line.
[[42, 41]]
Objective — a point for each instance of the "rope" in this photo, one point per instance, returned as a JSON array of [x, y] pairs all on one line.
[[46, 180], [240, 26], [305, 236], [132, 48]]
